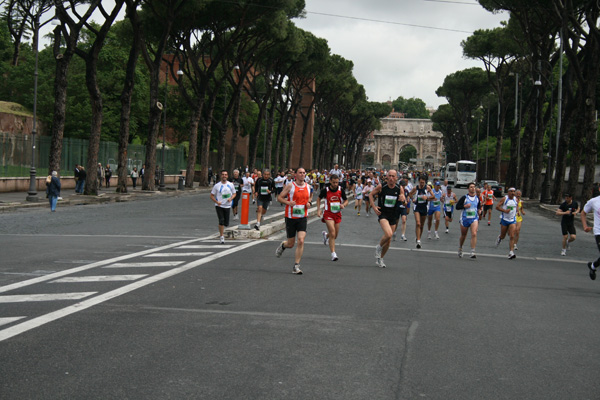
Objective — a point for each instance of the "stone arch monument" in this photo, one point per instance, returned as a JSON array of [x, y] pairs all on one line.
[[396, 134]]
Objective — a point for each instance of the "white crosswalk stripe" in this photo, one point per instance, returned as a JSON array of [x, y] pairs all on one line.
[[9, 320], [18, 298], [99, 278], [145, 264], [199, 254], [205, 246]]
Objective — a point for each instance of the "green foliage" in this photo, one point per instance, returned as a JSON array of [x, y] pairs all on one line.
[[412, 108]]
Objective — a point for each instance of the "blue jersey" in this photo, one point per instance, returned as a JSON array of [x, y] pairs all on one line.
[[470, 214], [436, 204]]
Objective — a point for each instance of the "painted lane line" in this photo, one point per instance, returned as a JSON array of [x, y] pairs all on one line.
[[206, 246], [53, 316], [22, 298], [9, 320], [102, 263], [99, 278], [145, 264], [198, 254]]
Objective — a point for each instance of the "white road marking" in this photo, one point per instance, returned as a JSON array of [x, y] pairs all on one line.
[[199, 254], [102, 263], [20, 298], [99, 278], [145, 264], [53, 316], [206, 246], [9, 320]]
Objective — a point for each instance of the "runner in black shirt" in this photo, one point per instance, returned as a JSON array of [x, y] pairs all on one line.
[[568, 210], [238, 182], [263, 188]]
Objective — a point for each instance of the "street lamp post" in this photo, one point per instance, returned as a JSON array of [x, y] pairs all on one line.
[[32, 194]]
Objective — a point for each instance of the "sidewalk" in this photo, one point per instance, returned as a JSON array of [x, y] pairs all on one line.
[[16, 200]]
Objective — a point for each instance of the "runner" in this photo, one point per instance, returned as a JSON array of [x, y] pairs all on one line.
[[296, 197], [335, 202], [222, 194], [470, 205], [264, 187], [435, 209], [568, 209], [279, 183], [488, 205], [449, 200], [424, 194], [402, 210], [238, 182], [508, 219], [248, 185], [366, 190], [520, 213], [388, 195], [593, 205], [358, 196]]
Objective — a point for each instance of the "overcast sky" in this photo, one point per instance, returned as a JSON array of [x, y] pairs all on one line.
[[392, 59]]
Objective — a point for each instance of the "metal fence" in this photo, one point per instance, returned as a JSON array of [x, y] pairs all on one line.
[[16, 151]]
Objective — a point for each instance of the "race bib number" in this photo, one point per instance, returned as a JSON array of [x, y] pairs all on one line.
[[335, 207], [471, 213], [490, 195], [390, 201], [421, 199], [510, 208], [226, 196], [436, 203], [264, 190], [236, 185], [298, 211], [448, 208]]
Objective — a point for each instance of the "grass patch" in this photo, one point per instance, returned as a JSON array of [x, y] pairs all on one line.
[[14, 108]]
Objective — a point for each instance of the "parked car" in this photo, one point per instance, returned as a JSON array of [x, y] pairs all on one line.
[[496, 187]]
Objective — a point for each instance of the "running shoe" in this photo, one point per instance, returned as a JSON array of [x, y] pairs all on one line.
[[516, 248], [498, 240], [257, 227], [235, 217], [511, 255], [334, 256], [358, 214], [472, 255], [429, 235], [437, 236], [253, 201], [380, 263], [488, 223], [592, 271], [378, 251], [563, 252], [446, 230], [394, 236], [279, 250], [460, 254], [418, 244], [222, 239], [404, 238], [297, 269], [324, 237]]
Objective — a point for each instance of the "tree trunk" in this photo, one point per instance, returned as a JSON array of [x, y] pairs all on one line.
[[91, 80], [206, 134], [235, 132], [269, 137], [193, 144], [60, 105]]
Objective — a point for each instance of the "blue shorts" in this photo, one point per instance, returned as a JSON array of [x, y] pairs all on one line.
[[468, 222], [433, 210], [507, 223]]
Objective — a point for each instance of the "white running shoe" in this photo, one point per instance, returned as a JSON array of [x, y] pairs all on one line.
[[472, 254], [446, 230], [404, 238], [429, 235], [222, 239], [378, 251], [516, 248], [437, 236], [235, 217], [460, 253], [418, 244], [279, 250], [334, 256], [325, 238], [380, 263], [511, 255], [563, 252], [297, 269]]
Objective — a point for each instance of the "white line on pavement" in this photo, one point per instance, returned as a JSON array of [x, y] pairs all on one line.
[[99, 278], [205, 246], [9, 320], [198, 254], [44, 319], [19, 298], [145, 264]]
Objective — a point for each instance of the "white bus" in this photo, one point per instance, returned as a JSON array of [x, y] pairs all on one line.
[[466, 172], [450, 174]]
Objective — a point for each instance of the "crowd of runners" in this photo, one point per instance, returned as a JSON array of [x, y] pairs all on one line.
[[391, 197]]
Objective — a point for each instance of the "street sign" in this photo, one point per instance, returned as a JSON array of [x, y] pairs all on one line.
[[412, 159]]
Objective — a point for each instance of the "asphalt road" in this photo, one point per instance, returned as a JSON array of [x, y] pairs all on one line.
[[139, 301]]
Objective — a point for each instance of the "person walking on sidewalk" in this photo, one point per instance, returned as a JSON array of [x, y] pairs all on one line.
[[53, 189], [296, 197], [389, 193], [592, 206], [508, 219], [470, 204], [107, 175], [263, 187], [568, 209], [335, 201], [222, 194]]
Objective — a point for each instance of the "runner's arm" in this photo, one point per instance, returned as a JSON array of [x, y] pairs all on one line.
[[283, 194], [461, 203], [586, 228], [499, 206]]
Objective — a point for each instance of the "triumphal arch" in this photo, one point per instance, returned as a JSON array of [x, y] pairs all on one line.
[[397, 134]]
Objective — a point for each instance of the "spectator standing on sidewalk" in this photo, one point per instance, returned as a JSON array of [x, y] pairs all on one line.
[[81, 179], [53, 189], [100, 174], [76, 177], [107, 175], [134, 176]]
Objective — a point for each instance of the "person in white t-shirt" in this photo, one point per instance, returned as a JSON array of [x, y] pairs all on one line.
[[248, 184], [593, 205], [223, 193], [279, 183]]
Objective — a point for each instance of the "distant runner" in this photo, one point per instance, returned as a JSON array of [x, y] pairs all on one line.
[[335, 201], [222, 194], [568, 209], [508, 219], [470, 205]]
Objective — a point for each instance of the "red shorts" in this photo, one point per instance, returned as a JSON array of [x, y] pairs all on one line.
[[329, 216]]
